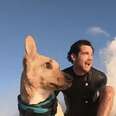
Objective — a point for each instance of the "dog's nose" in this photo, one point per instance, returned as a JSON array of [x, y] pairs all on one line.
[[68, 77]]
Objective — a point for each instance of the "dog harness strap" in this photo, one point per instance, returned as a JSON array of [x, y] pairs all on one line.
[[45, 107]]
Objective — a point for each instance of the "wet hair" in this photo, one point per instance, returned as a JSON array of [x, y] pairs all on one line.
[[75, 48]]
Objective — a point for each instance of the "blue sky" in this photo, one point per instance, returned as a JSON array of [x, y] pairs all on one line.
[[55, 24]]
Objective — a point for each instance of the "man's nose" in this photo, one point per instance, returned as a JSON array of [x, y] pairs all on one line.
[[90, 57]]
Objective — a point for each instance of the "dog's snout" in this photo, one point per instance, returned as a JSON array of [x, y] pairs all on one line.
[[68, 77]]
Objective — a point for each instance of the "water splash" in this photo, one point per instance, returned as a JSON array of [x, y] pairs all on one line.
[[109, 55]]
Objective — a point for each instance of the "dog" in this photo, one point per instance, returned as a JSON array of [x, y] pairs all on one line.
[[40, 78]]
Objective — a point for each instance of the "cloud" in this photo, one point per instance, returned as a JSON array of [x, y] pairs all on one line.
[[97, 31], [109, 58]]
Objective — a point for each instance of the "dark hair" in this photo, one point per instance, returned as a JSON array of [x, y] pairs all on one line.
[[75, 48]]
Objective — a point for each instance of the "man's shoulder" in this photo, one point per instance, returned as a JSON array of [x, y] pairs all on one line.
[[97, 71], [98, 75]]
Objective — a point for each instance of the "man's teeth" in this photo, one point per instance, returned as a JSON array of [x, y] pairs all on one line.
[[87, 64]]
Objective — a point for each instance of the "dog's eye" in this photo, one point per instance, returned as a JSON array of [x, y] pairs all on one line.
[[48, 65]]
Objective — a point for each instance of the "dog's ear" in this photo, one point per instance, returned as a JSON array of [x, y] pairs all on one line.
[[30, 46]]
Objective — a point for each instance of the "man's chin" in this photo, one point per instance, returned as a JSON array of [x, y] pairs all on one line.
[[87, 70]]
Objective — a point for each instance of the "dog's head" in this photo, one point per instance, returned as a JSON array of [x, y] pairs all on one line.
[[41, 71]]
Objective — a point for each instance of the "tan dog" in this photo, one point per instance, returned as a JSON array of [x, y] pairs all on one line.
[[41, 76]]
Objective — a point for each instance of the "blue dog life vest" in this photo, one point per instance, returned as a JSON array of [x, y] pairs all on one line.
[[45, 108]]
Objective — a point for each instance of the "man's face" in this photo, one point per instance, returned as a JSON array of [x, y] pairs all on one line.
[[84, 60]]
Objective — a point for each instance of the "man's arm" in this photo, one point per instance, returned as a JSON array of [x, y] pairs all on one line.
[[106, 101]]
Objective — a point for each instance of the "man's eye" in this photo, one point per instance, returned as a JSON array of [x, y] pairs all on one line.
[[48, 65]]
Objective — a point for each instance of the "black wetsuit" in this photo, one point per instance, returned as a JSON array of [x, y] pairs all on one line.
[[82, 98]]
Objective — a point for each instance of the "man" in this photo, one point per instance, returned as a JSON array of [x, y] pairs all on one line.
[[88, 95]]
